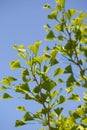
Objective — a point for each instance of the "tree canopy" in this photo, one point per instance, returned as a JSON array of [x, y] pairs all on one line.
[[56, 77]]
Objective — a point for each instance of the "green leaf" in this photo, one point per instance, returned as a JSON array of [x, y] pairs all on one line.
[[60, 80], [22, 88], [60, 2], [53, 94], [58, 110], [70, 13], [53, 61], [19, 123], [74, 97], [20, 48], [60, 37], [59, 27], [45, 110], [49, 85], [22, 55], [3, 88], [53, 15], [15, 64], [58, 71], [27, 117], [34, 48], [70, 89], [84, 120], [50, 35], [25, 75], [6, 96], [70, 81], [28, 97], [61, 100], [47, 6], [21, 108], [39, 59], [47, 26], [80, 112], [68, 69], [7, 81], [36, 89]]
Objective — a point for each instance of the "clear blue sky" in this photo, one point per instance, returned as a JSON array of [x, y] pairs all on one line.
[[21, 21]]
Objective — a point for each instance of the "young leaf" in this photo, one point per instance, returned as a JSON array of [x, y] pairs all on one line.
[[50, 35], [19, 123], [15, 64], [35, 47]]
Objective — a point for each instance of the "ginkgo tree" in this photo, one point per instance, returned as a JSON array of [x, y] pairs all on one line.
[[53, 78]]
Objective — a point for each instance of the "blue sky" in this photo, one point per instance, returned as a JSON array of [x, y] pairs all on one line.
[[21, 21]]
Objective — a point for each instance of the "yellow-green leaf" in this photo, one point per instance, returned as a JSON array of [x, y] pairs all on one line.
[[15, 64]]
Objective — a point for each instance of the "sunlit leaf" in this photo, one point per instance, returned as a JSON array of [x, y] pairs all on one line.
[[15, 64], [58, 71], [70, 13], [70, 89], [74, 97], [35, 47], [46, 26], [7, 81], [59, 27], [53, 15], [84, 120], [3, 88]]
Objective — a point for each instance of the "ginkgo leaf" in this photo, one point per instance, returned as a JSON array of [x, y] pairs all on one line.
[[27, 117], [53, 15], [19, 123], [47, 6], [50, 35], [74, 97], [6, 96], [58, 71], [21, 108], [35, 47], [15, 64]]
